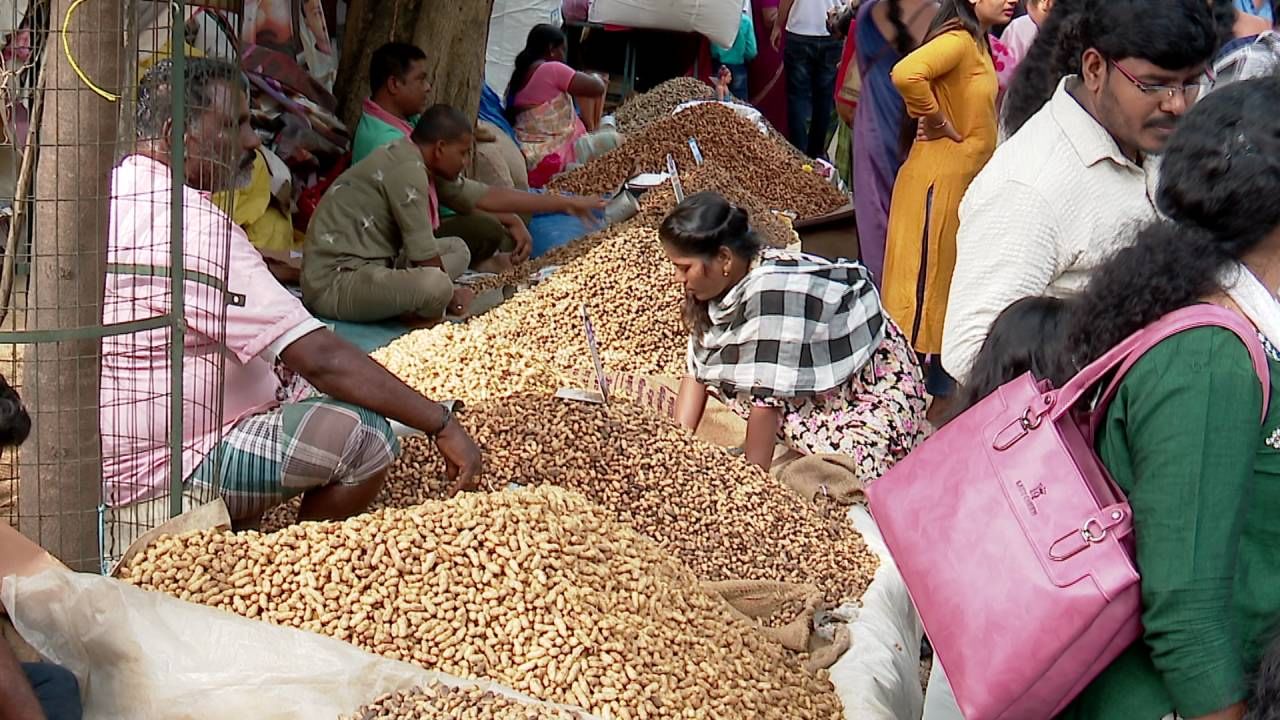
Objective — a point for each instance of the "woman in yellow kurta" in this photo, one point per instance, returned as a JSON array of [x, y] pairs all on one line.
[[949, 85]]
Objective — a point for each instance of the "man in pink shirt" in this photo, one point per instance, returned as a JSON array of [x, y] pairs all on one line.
[[256, 427]]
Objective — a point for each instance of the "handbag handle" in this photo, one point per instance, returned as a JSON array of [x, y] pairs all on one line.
[[1132, 348]]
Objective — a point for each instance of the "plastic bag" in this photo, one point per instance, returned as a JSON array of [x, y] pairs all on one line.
[[717, 19], [146, 656], [879, 678], [745, 111]]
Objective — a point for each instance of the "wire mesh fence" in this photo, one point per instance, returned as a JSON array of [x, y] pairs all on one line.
[[104, 194]]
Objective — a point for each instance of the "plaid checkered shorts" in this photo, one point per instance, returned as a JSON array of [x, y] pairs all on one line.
[[266, 459]]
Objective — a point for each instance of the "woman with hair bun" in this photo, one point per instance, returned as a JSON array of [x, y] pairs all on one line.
[[796, 345]]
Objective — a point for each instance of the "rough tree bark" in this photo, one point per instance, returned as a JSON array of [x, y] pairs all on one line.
[[61, 481], [453, 33]]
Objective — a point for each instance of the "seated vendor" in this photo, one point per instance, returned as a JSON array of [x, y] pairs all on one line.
[[388, 204], [797, 346], [398, 76], [274, 404], [540, 104]]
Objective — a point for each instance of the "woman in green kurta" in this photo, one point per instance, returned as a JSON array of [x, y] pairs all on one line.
[[1182, 437]]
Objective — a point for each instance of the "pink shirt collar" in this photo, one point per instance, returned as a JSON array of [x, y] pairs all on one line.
[[381, 113], [377, 111]]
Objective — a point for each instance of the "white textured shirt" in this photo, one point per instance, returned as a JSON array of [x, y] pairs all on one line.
[[809, 17], [1056, 200]]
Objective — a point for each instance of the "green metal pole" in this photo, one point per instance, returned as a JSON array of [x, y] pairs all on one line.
[[177, 277]]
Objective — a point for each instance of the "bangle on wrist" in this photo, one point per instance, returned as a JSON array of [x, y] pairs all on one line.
[[445, 421]]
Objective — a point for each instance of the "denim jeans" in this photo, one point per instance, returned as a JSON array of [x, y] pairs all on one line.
[[56, 689], [811, 65]]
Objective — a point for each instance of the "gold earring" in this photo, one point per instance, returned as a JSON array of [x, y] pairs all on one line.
[[726, 271]]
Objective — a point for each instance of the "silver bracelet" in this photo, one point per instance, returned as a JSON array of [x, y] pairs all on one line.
[[444, 425]]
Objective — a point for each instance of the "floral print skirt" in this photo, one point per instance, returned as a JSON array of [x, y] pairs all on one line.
[[876, 417]]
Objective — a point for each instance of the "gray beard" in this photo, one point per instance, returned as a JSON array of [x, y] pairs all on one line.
[[243, 178]]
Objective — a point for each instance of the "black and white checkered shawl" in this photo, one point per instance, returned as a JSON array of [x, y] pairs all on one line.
[[796, 325]]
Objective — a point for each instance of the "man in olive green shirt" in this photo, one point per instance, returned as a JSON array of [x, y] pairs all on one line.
[[387, 208]]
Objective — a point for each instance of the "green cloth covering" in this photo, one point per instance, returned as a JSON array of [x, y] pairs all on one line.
[[744, 46], [844, 152], [1182, 440], [374, 132]]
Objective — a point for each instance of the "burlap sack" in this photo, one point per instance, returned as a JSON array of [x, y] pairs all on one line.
[[500, 163], [825, 479], [759, 601]]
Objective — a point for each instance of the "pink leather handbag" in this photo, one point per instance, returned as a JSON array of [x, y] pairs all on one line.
[[1016, 545]]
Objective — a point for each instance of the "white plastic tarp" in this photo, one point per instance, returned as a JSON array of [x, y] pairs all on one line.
[[745, 111], [509, 26], [717, 19], [879, 677], [147, 656]]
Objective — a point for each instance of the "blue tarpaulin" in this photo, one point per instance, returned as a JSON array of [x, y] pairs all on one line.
[[491, 110], [552, 231]]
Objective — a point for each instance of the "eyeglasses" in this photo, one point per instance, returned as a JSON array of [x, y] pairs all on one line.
[[1189, 91]]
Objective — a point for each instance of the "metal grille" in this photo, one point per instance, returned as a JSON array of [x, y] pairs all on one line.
[[107, 378]]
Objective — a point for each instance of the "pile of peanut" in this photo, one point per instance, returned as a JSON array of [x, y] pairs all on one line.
[[772, 229], [723, 517], [538, 590], [467, 362], [763, 166], [555, 257], [638, 112], [438, 702], [631, 294]]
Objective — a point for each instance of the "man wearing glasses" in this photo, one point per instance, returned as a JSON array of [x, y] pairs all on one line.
[[1074, 184]]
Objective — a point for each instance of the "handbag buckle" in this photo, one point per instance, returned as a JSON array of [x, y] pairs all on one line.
[[1092, 532], [1089, 535], [1029, 421]]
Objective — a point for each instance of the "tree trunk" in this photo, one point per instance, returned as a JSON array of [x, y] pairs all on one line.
[[454, 34], [61, 482]]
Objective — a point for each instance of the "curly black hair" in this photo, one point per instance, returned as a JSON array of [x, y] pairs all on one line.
[[1172, 34], [1054, 55], [1219, 183], [1265, 702], [1264, 699]]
